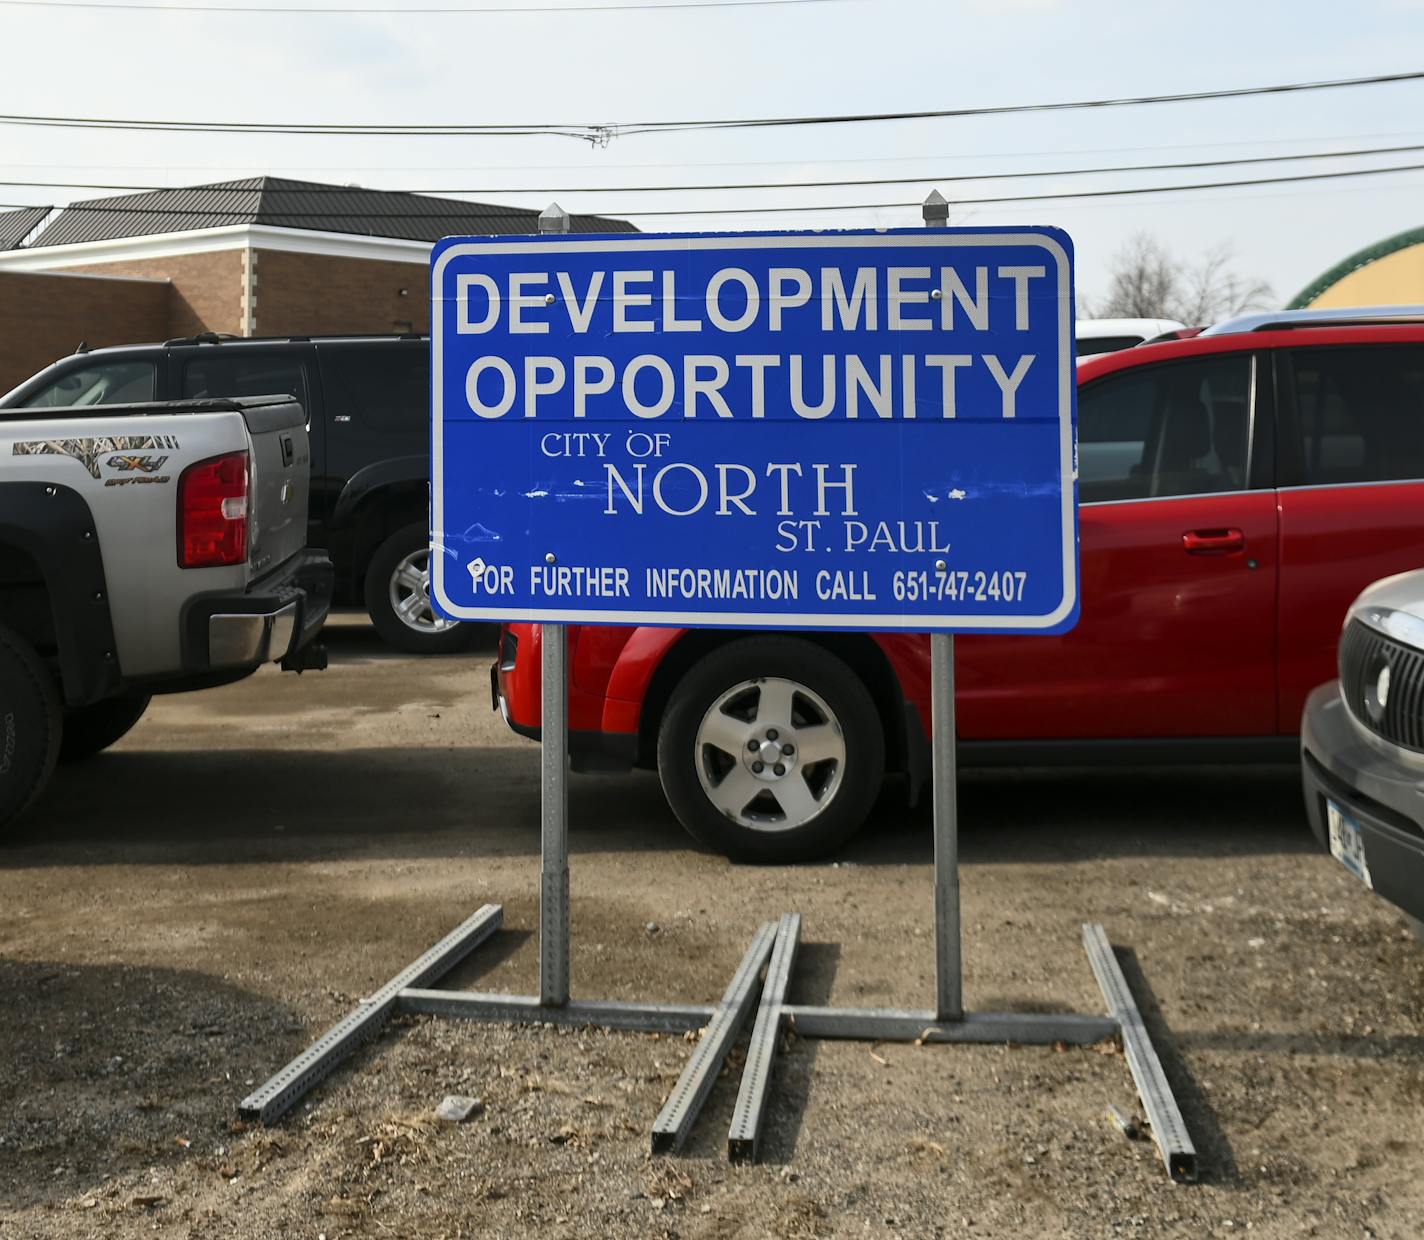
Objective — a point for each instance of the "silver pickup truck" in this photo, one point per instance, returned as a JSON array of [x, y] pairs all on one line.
[[145, 549]]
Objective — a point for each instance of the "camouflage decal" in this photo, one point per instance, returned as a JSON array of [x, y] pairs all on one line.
[[88, 451]]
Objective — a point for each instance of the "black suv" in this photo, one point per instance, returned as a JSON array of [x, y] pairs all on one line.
[[367, 400]]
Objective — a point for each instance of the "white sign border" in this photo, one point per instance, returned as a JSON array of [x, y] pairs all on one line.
[[895, 622]]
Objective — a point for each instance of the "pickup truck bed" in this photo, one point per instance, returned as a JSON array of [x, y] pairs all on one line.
[[146, 549]]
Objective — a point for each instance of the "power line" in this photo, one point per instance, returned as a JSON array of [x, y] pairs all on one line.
[[938, 178], [1286, 194], [661, 165], [1007, 109], [601, 133], [472, 10], [527, 213], [1079, 194]]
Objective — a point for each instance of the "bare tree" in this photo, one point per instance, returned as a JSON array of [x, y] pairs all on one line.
[[1149, 283], [1211, 290], [1144, 281]]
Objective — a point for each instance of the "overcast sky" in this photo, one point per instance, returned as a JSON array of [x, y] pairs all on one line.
[[774, 60]]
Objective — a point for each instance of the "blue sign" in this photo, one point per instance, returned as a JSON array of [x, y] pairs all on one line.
[[853, 430]]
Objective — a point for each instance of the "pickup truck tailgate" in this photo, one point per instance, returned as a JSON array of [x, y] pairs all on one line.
[[281, 472]]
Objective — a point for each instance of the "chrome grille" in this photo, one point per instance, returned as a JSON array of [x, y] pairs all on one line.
[[1364, 654]]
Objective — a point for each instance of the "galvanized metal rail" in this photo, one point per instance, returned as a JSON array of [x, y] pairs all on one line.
[[285, 1089], [1169, 1129], [684, 1104], [900, 1025], [744, 1135], [531, 1010]]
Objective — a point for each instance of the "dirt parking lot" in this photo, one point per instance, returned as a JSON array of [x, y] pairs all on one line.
[[183, 914]]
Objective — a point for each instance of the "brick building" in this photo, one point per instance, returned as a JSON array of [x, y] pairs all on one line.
[[264, 256]]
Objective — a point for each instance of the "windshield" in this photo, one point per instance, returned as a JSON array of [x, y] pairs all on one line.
[[109, 383]]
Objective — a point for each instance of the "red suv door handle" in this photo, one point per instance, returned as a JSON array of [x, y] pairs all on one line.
[[1213, 542]]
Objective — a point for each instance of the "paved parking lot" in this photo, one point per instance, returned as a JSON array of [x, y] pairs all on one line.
[[184, 913]]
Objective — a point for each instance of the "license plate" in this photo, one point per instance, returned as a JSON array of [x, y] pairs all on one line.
[[1347, 842]]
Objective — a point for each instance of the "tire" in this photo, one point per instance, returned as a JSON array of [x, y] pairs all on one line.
[[398, 573], [782, 693], [93, 728], [31, 723]]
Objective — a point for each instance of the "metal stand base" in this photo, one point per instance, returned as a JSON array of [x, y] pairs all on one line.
[[773, 949], [284, 1090]]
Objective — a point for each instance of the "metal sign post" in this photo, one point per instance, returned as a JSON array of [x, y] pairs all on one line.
[[949, 985], [554, 778], [949, 973], [584, 532], [554, 811]]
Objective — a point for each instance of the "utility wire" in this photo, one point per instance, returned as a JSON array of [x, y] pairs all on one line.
[[938, 178], [575, 130], [603, 132], [527, 213], [473, 10], [525, 169], [1097, 193], [1007, 109]]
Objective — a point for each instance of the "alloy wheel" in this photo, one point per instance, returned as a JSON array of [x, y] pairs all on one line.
[[410, 594], [770, 754]]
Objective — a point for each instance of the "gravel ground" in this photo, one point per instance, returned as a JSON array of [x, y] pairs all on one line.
[[183, 914]]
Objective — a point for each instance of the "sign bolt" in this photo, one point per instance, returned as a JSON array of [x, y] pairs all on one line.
[[940, 566], [550, 557], [936, 294], [548, 299]]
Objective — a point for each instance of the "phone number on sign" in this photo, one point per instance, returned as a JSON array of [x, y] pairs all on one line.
[[960, 586]]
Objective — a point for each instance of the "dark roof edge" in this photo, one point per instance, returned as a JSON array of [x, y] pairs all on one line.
[[1360, 258], [39, 244]]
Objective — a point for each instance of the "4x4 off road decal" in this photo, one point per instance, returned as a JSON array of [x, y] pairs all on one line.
[[89, 451], [145, 464]]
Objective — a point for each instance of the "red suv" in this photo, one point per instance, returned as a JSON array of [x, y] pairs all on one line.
[[1237, 490]]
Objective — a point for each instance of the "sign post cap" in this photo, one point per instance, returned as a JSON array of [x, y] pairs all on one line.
[[553, 219], [936, 208]]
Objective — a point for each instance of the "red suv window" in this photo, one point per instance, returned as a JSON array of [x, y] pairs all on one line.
[[1360, 413], [1180, 428]]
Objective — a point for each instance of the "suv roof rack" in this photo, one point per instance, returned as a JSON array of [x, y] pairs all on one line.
[[202, 338], [1346, 316], [293, 337]]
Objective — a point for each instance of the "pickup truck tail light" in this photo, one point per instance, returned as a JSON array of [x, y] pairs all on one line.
[[212, 512]]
